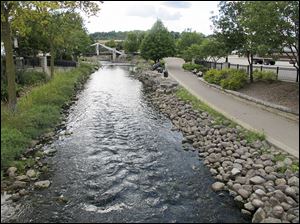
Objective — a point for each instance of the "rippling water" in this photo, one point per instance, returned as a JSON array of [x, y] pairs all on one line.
[[122, 163]]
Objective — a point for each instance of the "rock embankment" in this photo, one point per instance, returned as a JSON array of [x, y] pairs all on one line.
[[263, 181]]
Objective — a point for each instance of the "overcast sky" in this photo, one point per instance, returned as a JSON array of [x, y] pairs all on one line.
[[141, 15]]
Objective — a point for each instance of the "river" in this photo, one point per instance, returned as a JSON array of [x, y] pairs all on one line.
[[122, 163]]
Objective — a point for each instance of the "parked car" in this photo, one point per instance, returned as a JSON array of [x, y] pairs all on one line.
[[269, 61], [258, 60]]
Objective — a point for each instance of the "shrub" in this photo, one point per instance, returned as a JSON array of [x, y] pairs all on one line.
[[192, 66], [215, 76], [235, 80], [30, 77], [227, 78], [266, 76]]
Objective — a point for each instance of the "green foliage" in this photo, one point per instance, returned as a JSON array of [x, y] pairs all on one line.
[[251, 136], [228, 78], [266, 76], [38, 112], [111, 43], [187, 39], [215, 76], [295, 167], [30, 77], [158, 43], [191, 66], [237, 79], [132, 42], [12, 143]]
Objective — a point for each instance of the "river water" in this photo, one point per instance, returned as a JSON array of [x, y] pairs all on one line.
[[122, 163]]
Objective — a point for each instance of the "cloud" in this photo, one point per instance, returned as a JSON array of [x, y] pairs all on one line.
[[177, 4], [165, 15], [151, 11], [142, 11]]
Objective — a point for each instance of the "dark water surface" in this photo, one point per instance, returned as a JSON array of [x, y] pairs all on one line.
[[122, 163]]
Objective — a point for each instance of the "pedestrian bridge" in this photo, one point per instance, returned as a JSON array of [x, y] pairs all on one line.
[[114, 51]]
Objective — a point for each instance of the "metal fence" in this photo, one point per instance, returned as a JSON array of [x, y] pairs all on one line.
[[283, 73]]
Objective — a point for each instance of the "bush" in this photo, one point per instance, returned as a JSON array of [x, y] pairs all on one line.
[[236, 80], [191, 66], [227, 78], [265, 76], [30, 77], [215, 76]]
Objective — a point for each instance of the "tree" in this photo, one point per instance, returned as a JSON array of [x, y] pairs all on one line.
[[158, 43], [111, 43], [213, 49], [259, 28], [187, 39], [131, 44], [278, 24], [13, 15], [210, 48], [227, 28]]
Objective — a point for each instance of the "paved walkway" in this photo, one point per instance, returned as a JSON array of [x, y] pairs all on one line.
[[280, 131]]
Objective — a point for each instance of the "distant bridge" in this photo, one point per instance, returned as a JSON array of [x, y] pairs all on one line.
[[114, 51]]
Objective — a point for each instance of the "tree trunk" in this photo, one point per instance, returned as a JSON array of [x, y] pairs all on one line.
[[250, 60], [52, 52], [10, 66]]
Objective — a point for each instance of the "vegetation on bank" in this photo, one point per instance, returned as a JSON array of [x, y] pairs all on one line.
[[37, 113], [24, 80]]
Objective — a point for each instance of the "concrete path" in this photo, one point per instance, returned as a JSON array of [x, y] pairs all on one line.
[[280, 131]]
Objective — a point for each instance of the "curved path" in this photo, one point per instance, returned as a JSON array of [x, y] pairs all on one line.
[[280, 131]]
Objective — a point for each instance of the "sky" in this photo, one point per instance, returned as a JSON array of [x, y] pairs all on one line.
[[141, 15]]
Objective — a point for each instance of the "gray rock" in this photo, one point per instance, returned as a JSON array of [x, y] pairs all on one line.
[[213, 171], [246, 213], [278, 211], [293, 181], [269, 169], [280, 181], [287, 161], [238, 166], [290, 192], [15, 197], [271, 220], [260, 192], [257, 203], [217, 186], [18, 184], [31, 173], [280, 195], [235, 171], [241, 180], [239, 201], [22, 178], [259, 215], [257, 180], [23, 192], [244, 193], [11, 171], [249, 206], [42, 184], [285, 206], [236, 187]]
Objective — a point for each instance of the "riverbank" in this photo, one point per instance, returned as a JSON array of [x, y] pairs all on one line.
[[263, 180], [23, 133]]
